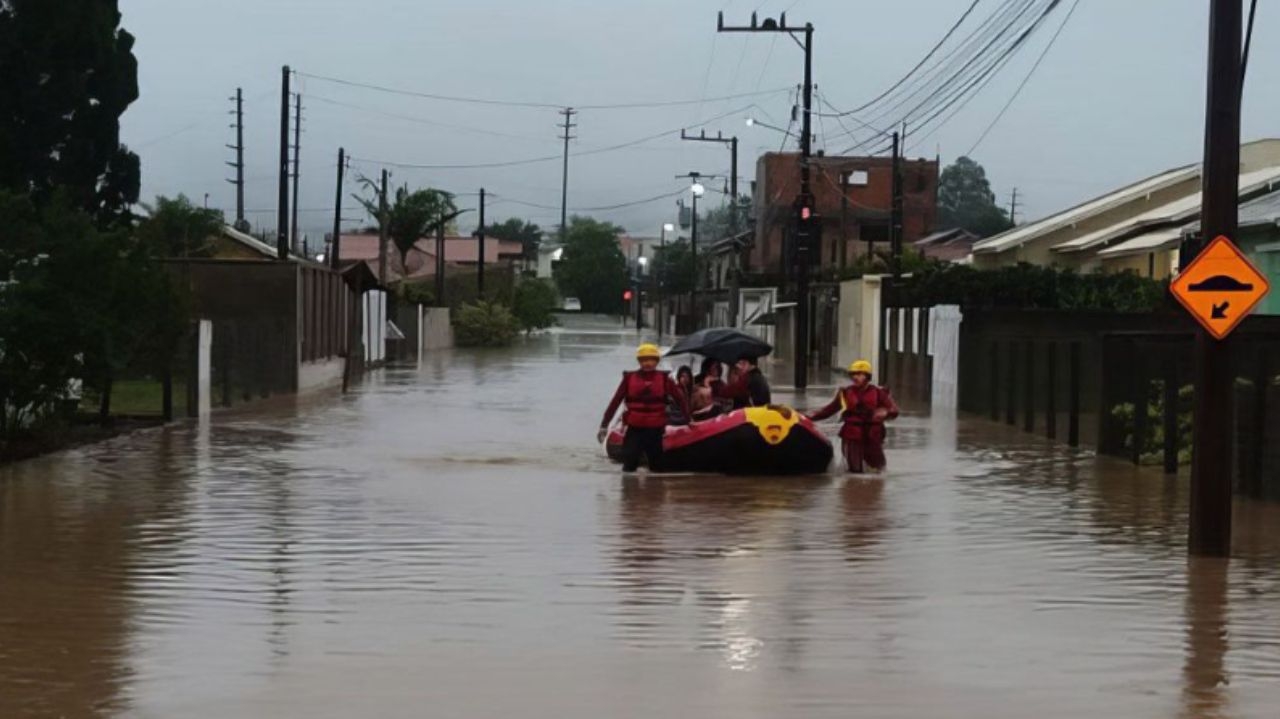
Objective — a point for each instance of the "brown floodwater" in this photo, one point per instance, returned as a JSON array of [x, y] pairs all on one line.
[[447, 541]]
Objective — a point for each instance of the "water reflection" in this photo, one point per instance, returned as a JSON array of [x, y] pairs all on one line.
[[1205, 672]]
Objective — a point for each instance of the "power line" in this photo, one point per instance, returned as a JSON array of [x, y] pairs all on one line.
[[1026, 79], [548, 158], [918, 65], [538, 105], [602, 208]]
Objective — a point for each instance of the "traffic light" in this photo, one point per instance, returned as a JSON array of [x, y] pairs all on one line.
[[626, 296]]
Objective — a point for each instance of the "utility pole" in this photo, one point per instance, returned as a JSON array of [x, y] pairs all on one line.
[[382, 231], [567, 125], [480, 237], [808, 229], [1013, 208], [895, 223], [335, 247], [732, 143], [238, 164], [282, 208], [297, 159], [1211, 460], [844, 218]]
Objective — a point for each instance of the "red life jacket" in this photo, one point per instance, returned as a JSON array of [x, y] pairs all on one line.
[[646, 399], [859, 407]]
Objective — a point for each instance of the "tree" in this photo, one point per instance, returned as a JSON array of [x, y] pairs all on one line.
[[67, 73], [527, 234], [177, 228], [965, 200], [534, 303], [593, 268], [410, 216], [717, 223], [673, 267]]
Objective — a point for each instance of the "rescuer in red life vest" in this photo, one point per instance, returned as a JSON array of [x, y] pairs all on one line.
[[863, 409], [645, 392]]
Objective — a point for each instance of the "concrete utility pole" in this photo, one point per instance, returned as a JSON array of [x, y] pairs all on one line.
[[895, 222], [734, 224], [480, 238], [297, 160], [808, 229], [382, 231], [335, 248], [1211, 460], [282, 207], [1013, 208], [567, 125], [240, 224]]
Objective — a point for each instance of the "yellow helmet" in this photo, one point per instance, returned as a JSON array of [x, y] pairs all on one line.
[[648, 351], [862, 366]]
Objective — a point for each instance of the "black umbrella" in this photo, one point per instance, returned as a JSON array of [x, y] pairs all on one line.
[[723, 344]]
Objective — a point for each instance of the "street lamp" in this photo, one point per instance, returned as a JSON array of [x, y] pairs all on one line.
[[697, 190], [752, 122]]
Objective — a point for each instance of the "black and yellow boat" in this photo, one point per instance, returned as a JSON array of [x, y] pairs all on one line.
[[770, 440]]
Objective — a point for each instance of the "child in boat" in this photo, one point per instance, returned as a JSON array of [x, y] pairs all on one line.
[[863, 408]]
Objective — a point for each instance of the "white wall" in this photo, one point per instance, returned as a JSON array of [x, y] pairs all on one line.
[[436, 328], [944, 345], [375, 326]]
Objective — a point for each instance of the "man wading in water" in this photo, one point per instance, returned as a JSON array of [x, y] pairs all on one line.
[[645, 392]]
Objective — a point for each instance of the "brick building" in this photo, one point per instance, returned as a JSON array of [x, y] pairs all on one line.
[[850, 224]]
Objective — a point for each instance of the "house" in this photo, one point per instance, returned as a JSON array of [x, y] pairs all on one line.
[[232, 244], [853, 203], [1258, 236], [421, 260], [954, 245], [1134, 228]]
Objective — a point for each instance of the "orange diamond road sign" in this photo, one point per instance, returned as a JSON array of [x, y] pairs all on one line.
[[1220, 287]]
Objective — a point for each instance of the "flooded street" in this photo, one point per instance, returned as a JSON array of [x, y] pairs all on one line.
[[447, 541]]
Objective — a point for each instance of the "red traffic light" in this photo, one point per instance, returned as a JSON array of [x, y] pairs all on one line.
[[626, 295], [805, 212]]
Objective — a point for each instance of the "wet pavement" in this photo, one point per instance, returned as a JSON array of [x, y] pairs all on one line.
[[447, 542]]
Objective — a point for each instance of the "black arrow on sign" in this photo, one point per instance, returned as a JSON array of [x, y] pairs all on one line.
[[1220, 311]]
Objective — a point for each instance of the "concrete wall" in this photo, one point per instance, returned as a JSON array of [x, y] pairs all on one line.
[[1157, 265], [858, 331], [320, 374], [436, 329], [374, 304]]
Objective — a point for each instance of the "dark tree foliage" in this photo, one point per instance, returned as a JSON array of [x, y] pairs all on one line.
[[965, 200]]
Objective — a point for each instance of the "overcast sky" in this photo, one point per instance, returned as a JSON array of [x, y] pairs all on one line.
[[1119, 96]]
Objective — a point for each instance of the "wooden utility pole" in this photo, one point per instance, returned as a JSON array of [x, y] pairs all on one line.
[[282, 207], [1211, 459], [1013, 208], [335, 247], [732, 143]]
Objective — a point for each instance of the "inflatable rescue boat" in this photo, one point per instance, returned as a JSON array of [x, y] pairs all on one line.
[[758, 440]]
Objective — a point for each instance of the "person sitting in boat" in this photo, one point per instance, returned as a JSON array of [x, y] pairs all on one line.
[[684, 380], [645, 391], [750, 389], [863, 409]]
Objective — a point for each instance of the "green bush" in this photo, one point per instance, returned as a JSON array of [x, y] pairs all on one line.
[[1152, 445], [485, 324], [416, 293], [534, 304], [1025, 286]]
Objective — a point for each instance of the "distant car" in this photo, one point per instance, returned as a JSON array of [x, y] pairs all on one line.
[[571, 304]]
